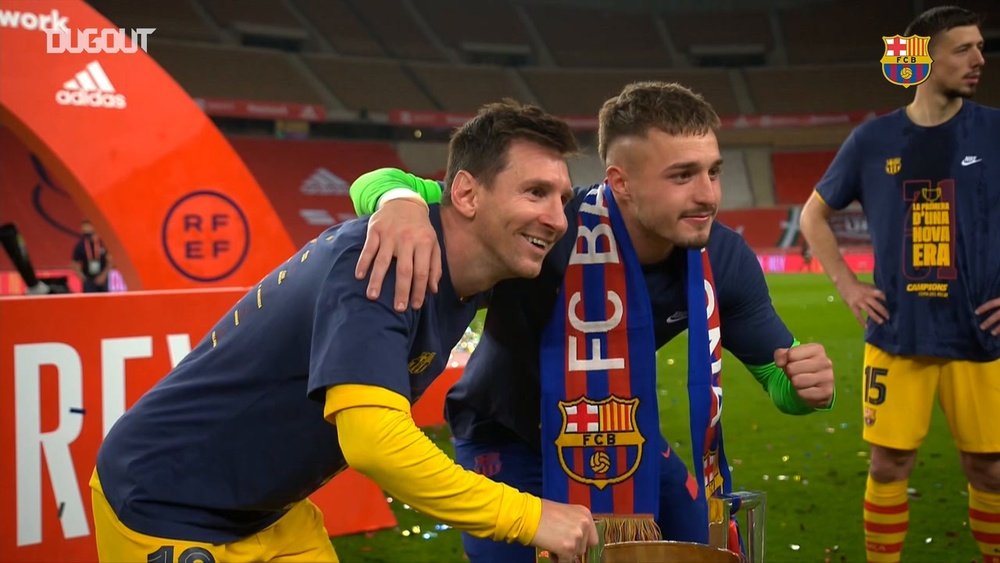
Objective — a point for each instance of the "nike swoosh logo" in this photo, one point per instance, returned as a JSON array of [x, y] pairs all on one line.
[[970, 160], [677, 317]]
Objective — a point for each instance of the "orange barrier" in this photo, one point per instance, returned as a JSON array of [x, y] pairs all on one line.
[[77, 362], [175, 203]]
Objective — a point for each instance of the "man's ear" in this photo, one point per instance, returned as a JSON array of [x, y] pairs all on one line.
[[618, 180], [465, 194]]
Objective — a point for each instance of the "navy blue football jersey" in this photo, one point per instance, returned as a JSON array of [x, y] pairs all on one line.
[[234, 435], [931, 196]]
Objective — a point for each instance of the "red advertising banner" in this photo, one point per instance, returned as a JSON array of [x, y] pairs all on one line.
[[440, 119], [72, 364], [261, 110]]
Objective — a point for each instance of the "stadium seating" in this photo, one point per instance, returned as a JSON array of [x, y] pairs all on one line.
[[583, 91], [339, 25], [172, 20], [845, 31], [599, 38], [365, 58], [819, 89], [463, 88], [395, 27], [369, 84], [477, 29], [244, 73], [711, 35]]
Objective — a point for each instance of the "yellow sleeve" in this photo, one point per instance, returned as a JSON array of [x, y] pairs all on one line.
[[383, 443]]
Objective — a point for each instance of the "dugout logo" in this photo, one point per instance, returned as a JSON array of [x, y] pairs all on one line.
[[205, 236], [607, 433], [906, 61]]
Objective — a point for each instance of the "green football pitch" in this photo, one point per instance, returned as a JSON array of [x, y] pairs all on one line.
[[812, 467]]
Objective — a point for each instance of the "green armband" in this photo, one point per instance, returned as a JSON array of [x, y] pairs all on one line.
[[370, 186], [779, 387]]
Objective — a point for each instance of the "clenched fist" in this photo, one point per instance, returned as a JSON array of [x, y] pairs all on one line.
[[810, 371]]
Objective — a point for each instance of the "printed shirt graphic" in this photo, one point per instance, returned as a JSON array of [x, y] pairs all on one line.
[[499, 393], [934, 225], [224, 444]]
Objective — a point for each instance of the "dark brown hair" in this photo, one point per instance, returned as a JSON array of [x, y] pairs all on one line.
[[480, 145]]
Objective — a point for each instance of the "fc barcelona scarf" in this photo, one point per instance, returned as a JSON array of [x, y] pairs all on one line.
[[598, 369], [705, 380], [599, 404]]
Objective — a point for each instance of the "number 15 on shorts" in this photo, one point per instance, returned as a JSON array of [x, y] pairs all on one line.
[[874, 386]]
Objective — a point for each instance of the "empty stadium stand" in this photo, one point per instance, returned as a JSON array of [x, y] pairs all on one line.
[[362, 59], [370, 84], [600, 38], [711, 37], [826, 88], [173, 20], [245, 73], [583, 91], [463, 88], [339, 25], [477, 31]]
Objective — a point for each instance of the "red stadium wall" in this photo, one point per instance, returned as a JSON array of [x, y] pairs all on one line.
[[307, 181], [762, 227], [797, 173], [76, 363]]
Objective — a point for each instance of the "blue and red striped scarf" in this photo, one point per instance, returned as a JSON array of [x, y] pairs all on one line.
[[598, 374]]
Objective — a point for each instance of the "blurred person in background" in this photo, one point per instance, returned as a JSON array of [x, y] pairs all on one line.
[[91, 259]]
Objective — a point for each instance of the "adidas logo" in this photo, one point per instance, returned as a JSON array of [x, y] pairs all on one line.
[[91, 87], [324, 182]]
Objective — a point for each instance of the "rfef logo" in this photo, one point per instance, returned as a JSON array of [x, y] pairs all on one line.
[[206, 236], [906, 61]]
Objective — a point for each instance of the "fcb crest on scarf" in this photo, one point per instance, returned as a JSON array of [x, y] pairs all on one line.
[[591, 429], [906, 61]]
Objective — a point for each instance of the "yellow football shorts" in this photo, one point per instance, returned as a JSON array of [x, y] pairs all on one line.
[[898, 396], [299, 536]]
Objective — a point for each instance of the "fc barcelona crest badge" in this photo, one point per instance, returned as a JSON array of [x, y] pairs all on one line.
[[893, 165], [906, 61], [599, 442]]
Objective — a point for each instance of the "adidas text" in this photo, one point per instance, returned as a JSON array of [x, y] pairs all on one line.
[[90, 87]]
